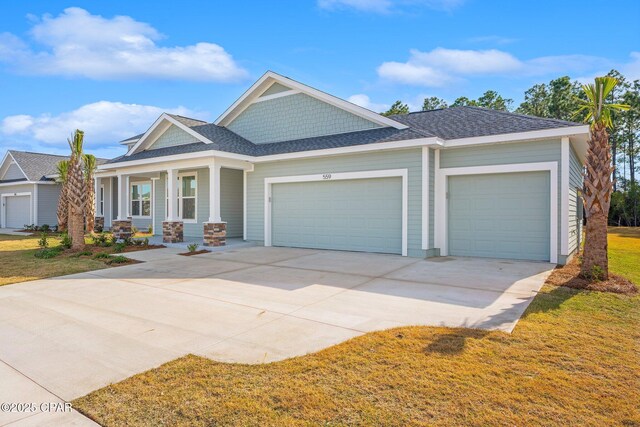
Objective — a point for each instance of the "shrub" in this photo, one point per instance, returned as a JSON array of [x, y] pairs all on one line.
[[29, 227], [119, 259], [597, 273], [47, 253], [55, 228], [192, 247], [128, 241], [65, 240], [101, 239], [114, 240], [45, 228], [150, 230], [119, 247], [145, 242], [83, 253], [44, 241], [134, 229], [101, 255]]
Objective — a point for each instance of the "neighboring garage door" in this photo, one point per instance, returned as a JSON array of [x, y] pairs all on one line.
[[17, 211], [353, 215], [500, 215]]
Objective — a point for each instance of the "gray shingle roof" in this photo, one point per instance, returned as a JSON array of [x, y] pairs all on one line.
[[448, 123], [466, 122], [39, 165]]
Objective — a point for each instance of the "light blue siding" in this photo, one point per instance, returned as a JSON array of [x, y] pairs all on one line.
[[293, 117], [410, 159], [13, 172], [48, 195], [575, 184], [355, 215], [231, 200], [172, 137], [502, 154], [500, 215]]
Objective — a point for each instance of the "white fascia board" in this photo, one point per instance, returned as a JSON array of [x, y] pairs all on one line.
[[161, 119], [245, 100], [128, 141], [519, 136], [6, 184]]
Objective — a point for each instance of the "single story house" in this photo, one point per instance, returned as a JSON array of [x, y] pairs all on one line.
[[28, 190], [289, 165]]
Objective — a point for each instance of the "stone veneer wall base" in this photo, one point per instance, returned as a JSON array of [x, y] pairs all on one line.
[[172, 231], [215, 234], [122, 228]]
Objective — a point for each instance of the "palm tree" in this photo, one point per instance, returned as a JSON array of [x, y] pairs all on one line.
[[89, 171], [63, 202], [597, 178], [76, 189]]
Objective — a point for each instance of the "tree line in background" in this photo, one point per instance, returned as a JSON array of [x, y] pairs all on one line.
[[560, 99]]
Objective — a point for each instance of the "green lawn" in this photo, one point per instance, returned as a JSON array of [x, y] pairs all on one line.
[[17, 263], [573, 359]]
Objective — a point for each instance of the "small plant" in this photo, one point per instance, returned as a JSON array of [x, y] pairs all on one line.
[[101, 255], [119, 247], [145, 242], [113, 240], [119, 259], [127, 240], [45, 228], [54, 228], [134, 229], [65, 240], [192, 247], [150, 230], [597, 273], [44, 241], [29, 227], [47, 253], [101, 239]]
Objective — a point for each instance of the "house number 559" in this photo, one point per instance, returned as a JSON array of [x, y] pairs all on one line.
[[326, 176]]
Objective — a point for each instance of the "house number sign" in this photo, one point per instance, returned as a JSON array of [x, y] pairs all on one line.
[[326, 176]]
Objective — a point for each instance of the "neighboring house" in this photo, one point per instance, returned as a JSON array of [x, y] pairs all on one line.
[[288, 165], [28, 191]]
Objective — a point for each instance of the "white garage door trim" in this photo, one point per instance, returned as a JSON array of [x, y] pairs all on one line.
[[441, 212], [388, 173], [4, 206]]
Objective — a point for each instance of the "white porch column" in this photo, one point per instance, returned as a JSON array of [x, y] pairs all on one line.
[[172, 192], [96, 192], [123, 197], [214, 193]]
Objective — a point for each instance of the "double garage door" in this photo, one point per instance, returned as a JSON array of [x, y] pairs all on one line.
[[17, 211], [352, 215], [503, 215]]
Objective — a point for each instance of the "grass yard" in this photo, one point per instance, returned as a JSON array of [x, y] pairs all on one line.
[[18, 263], [574, 359]]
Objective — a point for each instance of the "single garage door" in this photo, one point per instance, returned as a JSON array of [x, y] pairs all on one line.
[[17, 211], [352, 215], [500, 215]]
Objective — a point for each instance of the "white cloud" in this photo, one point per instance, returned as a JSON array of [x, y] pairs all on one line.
[[441, 66], [388, 6], [364, 101], [80, 44], [104, 123]]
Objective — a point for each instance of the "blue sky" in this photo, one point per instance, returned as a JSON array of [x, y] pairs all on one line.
[[110, 68]]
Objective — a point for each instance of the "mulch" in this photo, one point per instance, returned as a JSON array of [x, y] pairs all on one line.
[[201, 251], [569, 276]]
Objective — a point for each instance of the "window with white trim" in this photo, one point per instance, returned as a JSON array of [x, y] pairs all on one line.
[[187, 196], [141, 199], [101, 199]]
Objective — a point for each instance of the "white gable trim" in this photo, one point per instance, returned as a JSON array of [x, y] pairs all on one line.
[[270, 77], [275, 95], [147, 141], [4, 166]]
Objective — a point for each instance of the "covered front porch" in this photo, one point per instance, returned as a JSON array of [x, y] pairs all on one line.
[[195, 200]]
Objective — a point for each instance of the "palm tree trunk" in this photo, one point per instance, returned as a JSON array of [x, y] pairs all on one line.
[[91, 207], [76, 229], [597, 199]]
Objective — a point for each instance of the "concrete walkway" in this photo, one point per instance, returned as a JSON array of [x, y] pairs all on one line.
[[14, 232], [64, 337]]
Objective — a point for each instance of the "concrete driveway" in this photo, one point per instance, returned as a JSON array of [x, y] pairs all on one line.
[[64, 337]]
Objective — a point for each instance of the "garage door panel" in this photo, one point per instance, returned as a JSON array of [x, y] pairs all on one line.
[[17, 211], [356, 215], [500, 215]]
